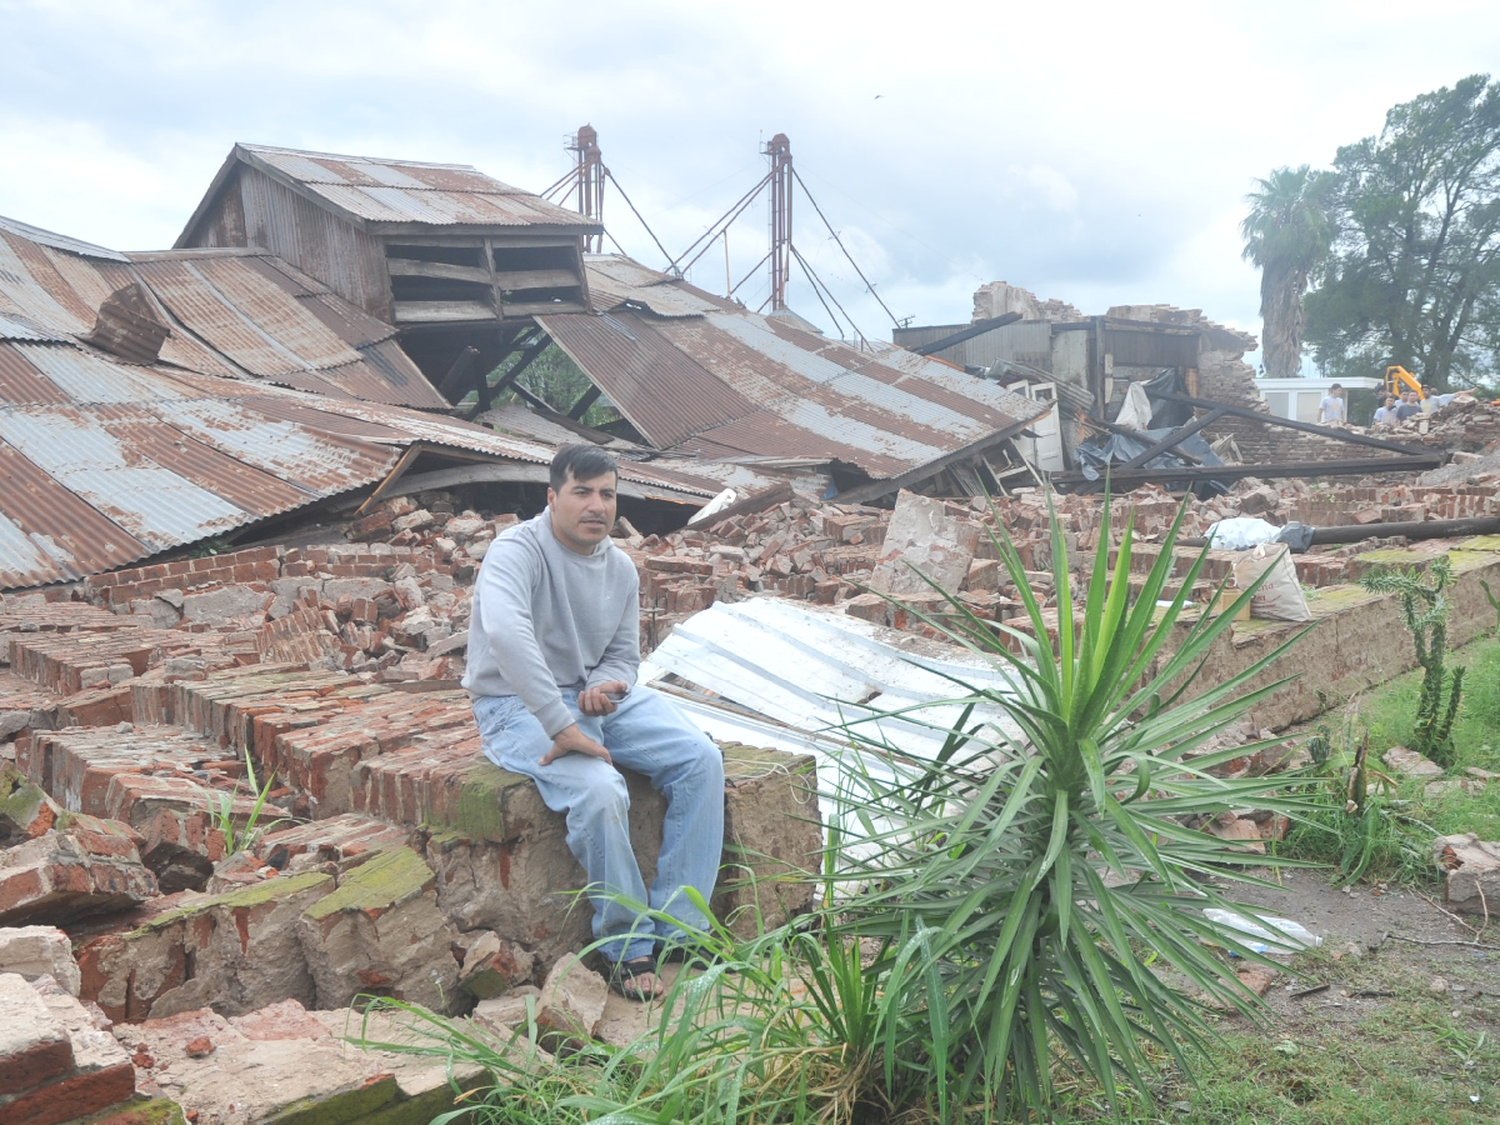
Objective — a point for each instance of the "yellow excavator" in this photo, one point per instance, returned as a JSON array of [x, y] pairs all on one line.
[[1398, 377]]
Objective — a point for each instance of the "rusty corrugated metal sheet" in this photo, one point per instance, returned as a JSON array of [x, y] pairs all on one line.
[[21, 381], [376, 190], [733, 382], [279, 324], [664, 394], [615, 280]]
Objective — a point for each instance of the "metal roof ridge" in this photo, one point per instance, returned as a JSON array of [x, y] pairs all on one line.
[[361, 159]]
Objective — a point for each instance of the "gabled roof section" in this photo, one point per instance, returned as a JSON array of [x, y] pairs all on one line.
[[375, 193]]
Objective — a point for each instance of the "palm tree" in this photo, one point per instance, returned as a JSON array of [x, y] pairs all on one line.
[[1287, 234]]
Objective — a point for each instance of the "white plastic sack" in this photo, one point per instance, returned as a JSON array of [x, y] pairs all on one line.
[[1135, 411], [1280, 595], [1275, 935], [1240, 532]]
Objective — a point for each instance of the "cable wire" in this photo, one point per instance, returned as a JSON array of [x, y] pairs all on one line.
[[642, 219], [817, 281], [844, 248]]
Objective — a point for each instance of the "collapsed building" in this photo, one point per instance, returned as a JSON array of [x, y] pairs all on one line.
[[251, 479]]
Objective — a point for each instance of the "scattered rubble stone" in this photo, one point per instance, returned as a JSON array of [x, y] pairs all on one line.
[[1472, 883], [318, 1076], [37, 951], [381, 933], [84, 866], [56, 1062], [571, 1004]]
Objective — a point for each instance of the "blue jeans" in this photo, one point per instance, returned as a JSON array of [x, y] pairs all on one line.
[[646, 733]]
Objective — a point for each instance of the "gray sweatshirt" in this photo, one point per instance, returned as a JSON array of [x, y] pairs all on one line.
[[546, 618]]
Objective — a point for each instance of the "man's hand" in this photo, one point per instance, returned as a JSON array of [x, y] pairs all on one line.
[[571, 740], [596, 700]]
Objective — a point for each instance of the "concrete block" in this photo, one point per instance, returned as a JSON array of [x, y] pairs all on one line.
[[381, 933], [37, 951], [571, 1004], [924, 542]]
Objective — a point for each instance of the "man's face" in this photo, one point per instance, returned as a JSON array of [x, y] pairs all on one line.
[[583, 511]]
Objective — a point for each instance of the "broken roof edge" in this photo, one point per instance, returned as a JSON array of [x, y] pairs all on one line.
[[60, 241]]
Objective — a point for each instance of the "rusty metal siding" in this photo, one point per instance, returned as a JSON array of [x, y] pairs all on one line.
[[325, 246]]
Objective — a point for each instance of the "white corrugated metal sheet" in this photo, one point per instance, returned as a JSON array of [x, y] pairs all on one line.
[[820, 672]]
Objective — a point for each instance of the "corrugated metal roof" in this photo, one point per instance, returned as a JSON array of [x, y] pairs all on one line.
[[61, 241], [732, 382], [616, 281], [105, 463], [376, 190], [231, 313], [279, 324]]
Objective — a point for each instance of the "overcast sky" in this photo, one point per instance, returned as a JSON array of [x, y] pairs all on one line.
[[1094, 152]]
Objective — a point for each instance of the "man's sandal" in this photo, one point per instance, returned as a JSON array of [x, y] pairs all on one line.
[[624, 978]]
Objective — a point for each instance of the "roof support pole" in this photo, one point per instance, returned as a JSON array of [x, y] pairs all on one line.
[[780, 151], [591, 173]]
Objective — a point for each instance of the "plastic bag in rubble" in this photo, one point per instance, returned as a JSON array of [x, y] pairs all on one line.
[[1275, 935], [1279, 597], [1297, 536], [1240, 532]]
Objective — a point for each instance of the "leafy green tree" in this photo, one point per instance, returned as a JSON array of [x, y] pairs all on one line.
[[1287, 234], [559, 382], [1414, 277]]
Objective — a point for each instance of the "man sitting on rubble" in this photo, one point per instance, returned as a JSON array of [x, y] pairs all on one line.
[[554, 644]]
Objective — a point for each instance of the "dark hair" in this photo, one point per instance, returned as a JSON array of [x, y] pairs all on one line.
[[1337, 387], [581, 462]]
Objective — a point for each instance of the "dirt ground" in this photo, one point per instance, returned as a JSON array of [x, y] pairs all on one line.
[[1380, 943]]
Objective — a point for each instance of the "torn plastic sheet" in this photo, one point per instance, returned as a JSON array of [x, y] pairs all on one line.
[[1096, 454]]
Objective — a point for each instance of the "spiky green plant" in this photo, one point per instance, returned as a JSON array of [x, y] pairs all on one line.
[[1424, 612], [1047, 868], [241, 832]]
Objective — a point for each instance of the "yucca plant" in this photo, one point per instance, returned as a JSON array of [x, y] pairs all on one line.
[[1046, 868]]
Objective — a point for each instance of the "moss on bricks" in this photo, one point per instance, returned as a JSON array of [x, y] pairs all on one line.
[[480, 810], [246, 896], [343, 1107], [390, 877], [138, 1111]]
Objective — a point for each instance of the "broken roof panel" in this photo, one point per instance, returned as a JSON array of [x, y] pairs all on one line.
[[721, 381], [230, 313], [818, 672], [277, 323], [616, 281]]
